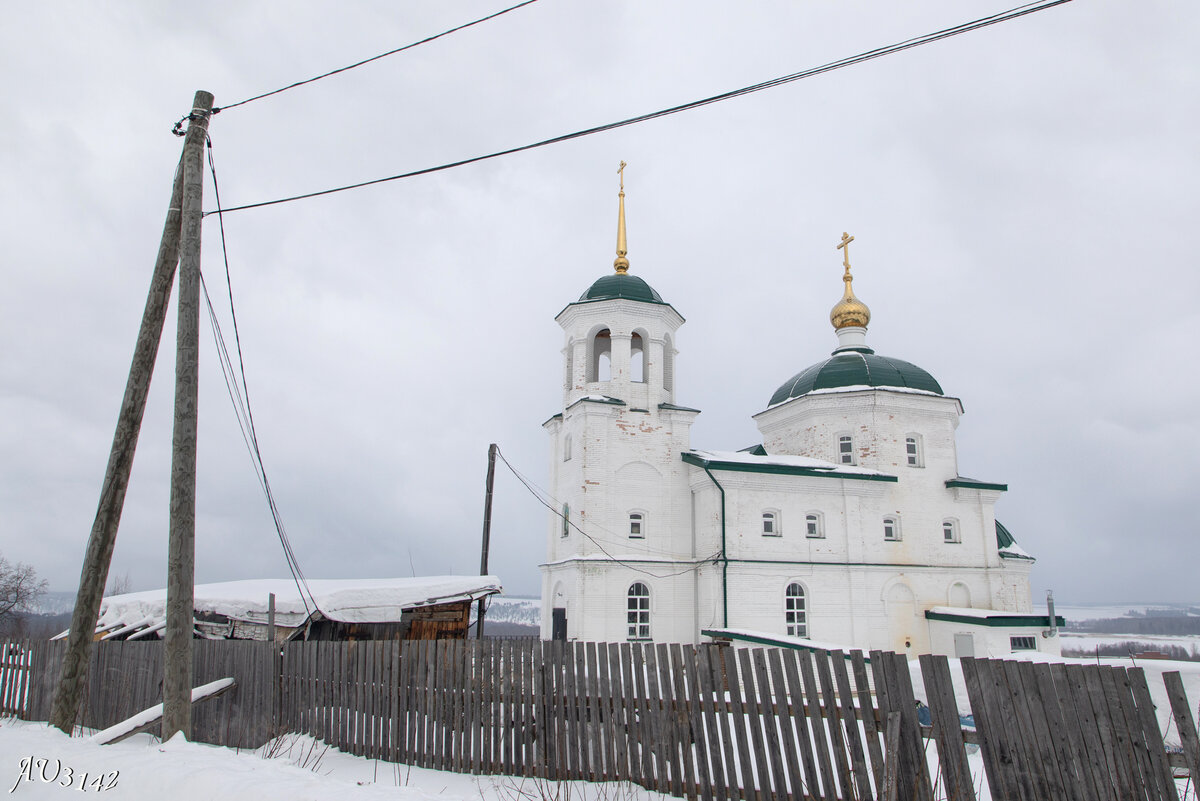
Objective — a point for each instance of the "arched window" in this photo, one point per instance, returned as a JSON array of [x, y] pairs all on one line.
[[950, 531], [913, 453], [567, 448], [566, 519], [637, 358], [814, 525], [795, 613], [637, 611], [637, 525], [770, 524], [845, 449], [600, 356], [891, 529]]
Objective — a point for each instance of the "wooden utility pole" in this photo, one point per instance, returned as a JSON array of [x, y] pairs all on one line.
[[487, 531], [181, 547], [103, 538]]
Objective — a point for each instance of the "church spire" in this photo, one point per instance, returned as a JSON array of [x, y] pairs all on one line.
[[621, 263], [850, 316]]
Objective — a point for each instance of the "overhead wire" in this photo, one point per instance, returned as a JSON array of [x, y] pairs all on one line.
[[983, 22], [566, 518], [357, 64], [240, 398]]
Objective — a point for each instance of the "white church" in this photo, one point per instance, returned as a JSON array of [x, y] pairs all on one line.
[[849, 525]]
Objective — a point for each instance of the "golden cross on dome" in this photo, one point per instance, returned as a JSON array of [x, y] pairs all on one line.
[[844, 246], [621, 172]]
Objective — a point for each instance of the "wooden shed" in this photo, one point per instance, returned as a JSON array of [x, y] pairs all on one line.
[[422, 608]]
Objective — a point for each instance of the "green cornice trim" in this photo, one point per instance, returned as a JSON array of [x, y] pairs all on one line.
[[998, 621], [970, 483], [603, 402], [779, 469], [670, 407], [854, 564]]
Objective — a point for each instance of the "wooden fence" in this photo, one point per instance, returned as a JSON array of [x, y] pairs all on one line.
[[710, 722]]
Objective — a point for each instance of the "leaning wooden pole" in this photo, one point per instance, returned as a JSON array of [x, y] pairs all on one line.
[[181, 547], [103, 538], [487, 532]]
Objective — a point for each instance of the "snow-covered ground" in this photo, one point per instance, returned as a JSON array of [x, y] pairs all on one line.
[[300, 769]]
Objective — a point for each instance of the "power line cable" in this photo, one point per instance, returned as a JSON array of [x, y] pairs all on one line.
[[426, 40], [240, 397], [529, 486], [1005, 16]]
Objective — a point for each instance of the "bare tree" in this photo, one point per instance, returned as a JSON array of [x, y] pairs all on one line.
[[119, 585], [19, 588]]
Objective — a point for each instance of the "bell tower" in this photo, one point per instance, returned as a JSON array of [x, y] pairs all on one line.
[[615, 469]]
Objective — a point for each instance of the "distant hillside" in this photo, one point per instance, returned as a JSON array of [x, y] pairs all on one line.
[[54, 603], [510, 609]]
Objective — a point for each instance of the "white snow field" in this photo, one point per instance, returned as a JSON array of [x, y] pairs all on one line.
[[302, 769]]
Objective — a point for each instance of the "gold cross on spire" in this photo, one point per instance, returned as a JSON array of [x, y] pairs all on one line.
[[621, 263], [844, 246]]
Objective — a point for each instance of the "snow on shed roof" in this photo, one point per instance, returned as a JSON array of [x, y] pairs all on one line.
[[343, 600]]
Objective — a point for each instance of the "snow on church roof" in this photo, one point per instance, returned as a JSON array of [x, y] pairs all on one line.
[[343, 600], [781, 463]]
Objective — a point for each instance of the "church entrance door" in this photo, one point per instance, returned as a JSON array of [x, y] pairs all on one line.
[[558, 623]]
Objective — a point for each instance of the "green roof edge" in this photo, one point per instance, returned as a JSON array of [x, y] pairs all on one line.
[[779, 469], [969, 483], [998, 621]]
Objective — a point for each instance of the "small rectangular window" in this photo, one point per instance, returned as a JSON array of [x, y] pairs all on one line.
[[770, 526], [845, 449], [566, 519], [812, 526], [912, 450], [949, 531], [1023, 643], [635, 525], [891, 529]]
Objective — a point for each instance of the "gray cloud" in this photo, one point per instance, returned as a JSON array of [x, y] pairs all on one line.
[[1022, 197]]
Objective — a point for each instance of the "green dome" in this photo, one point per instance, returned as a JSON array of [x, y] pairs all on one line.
[[855, 368], [621, 286]]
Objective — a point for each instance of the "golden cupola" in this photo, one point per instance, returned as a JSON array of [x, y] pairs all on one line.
[[850, 312]]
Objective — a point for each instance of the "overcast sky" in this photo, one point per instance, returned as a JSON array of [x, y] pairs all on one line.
[[1023, 201]]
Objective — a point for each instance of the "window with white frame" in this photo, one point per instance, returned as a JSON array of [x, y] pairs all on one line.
[[950, 531], [795, 614], [637, 525], [845, 454], [1023, 643], [891, 528], [566, 519], [913, 454], [637, 611], [770, 524], [814, 525]]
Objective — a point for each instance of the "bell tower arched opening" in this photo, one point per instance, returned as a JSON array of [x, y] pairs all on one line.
[[637, 358], [600, 356]]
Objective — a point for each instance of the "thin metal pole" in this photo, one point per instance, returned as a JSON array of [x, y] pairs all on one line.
[[98, 555], [181, 547], [487, 531]]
